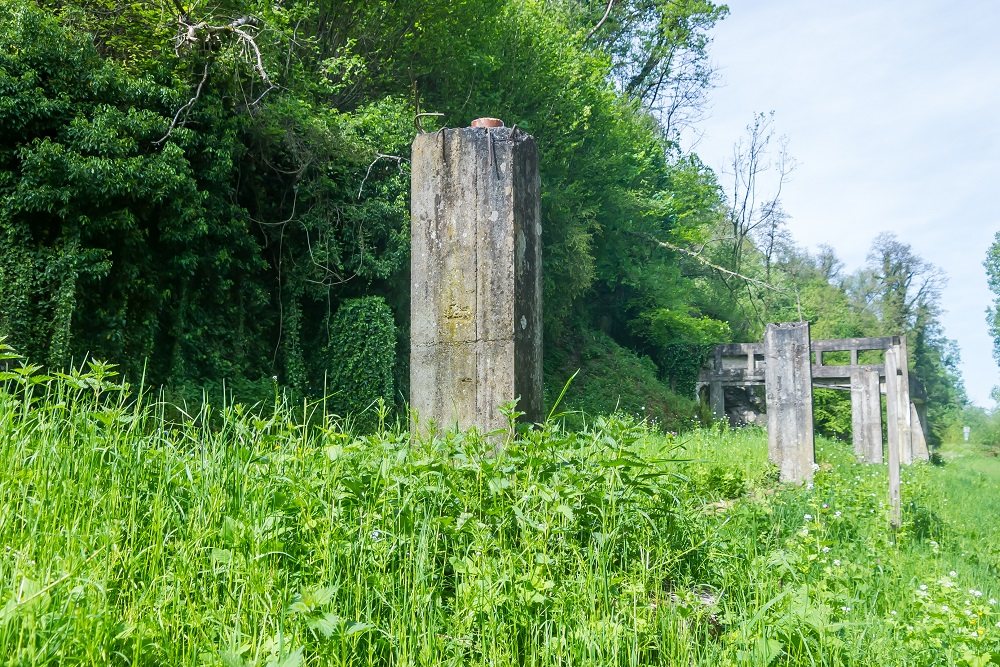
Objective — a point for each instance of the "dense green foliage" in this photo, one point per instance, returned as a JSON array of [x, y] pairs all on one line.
[[602, 375], [362, 356], [233, 539], [992, 264], [194, 189]]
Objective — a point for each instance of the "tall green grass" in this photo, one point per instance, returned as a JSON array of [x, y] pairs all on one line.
[[129, 536]]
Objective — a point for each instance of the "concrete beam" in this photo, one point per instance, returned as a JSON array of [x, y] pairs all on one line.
[[788, 386], [476, 291], [847, 344], [842, 371]]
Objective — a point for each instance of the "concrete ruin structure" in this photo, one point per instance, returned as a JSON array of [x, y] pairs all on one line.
[[788, 388], [788, 364], [476, 290]]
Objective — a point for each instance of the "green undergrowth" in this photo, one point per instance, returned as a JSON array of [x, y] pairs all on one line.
[[607, 377], [226, 538]]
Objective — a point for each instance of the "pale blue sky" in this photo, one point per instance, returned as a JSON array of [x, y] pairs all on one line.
[[892, 112]]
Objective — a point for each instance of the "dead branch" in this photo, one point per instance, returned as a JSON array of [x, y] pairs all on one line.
[[607, 13], [204, 34], [721, 269], [185, 108], [381, 156]]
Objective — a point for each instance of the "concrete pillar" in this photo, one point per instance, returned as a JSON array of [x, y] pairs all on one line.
[[716, 392], [908, 455], [717, 399], [918, 438], [894, 423], [476, 290], [788, 387], [905, 436], [866, 415]]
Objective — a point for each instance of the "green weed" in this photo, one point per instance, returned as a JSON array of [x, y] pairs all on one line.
[[225, 537]]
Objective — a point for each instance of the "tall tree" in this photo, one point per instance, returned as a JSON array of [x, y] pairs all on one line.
[[992, 265]]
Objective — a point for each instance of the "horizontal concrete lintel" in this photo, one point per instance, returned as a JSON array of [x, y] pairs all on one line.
[[847, 344], [739, 349], [739, 377], [829, 345], [844, 372], [730, 375], [832, 385]]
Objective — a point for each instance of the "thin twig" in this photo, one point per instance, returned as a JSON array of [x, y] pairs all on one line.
[[380, 156]]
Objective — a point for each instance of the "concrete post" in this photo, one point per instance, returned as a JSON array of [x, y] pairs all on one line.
[[866, 415], [894, 423], [857, 426], [717, 399], [476, 290], [716, 393], [788, 387], [918, 439], [905, 436]]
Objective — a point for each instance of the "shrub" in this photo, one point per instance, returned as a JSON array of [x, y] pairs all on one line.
[[613, 378], [362, 353]]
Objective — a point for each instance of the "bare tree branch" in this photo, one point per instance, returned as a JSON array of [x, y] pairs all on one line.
[[202, 33], [185, 108], [607, 13], [380, 156], [747, 280]]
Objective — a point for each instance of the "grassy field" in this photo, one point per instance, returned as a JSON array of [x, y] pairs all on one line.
[[132, 536]]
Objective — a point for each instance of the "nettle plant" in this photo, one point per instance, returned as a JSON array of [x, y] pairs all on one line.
[[943, 615]]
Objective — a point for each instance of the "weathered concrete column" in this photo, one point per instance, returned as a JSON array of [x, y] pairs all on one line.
[[476, 290], [716, 392], [866, 415], [717, 399], [788, 386], [894, 421], [918, 439], [905, 436]]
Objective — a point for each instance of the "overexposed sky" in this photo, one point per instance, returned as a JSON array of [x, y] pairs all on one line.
[[892, 114]]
